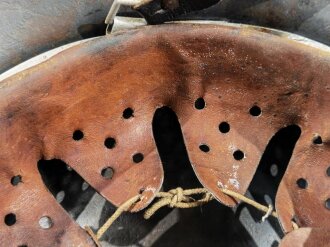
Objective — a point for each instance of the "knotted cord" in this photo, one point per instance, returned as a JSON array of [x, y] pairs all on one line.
[[179, 198]]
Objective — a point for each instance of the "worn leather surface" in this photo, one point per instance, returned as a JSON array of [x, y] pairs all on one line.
[[89, 86], [307, 237]]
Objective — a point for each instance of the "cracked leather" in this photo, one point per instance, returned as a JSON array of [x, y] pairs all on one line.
[[88, 87]]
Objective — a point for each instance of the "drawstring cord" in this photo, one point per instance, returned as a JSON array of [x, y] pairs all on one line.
[[179, 198]]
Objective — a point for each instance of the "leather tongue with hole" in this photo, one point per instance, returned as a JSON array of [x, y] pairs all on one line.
[[110, 87]]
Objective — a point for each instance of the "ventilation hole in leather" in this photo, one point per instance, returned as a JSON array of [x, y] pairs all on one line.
[[199, 104], [60, 196], [110, 143], [16, 180], [328, 171], [128, 113], [24, 245], [302, 183], [255, 111], [57, 178], [278, 151], [10, 219], [107, 172], [317, 140], [45, 222], [77, 135], [224, 127], [138, 157], [204, 148], [238, 155], [327, 204]]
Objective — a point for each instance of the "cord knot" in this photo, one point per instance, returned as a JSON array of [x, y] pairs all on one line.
[[177, 196]]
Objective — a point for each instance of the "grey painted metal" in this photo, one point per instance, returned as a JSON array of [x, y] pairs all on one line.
[[30, 27]]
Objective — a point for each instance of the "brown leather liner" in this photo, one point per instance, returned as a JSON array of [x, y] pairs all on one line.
[[307, 237], [88, 87]]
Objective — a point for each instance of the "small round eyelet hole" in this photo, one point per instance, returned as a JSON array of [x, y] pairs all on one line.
[[77, 135], [255, 111], [302, 183], [238, 155], [107, 172], [10, 219], [317, 140], [204, 148], [200, 104], [128, 113], [15, 180], [328, 171], [327, 204], [138, 157], [45, 222], [110, 143], [224, 127]]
